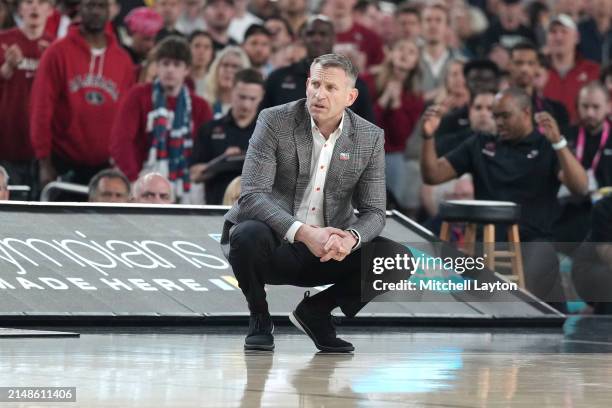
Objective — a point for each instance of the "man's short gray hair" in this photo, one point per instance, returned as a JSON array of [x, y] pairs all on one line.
[[5, 176], [337, 61]]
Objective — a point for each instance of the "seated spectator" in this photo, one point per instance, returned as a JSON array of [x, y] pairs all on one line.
[[76, 92], [524, 65], [153, 188], [569, 71], [170, 10], [398, 104], [6, 16], [258, 47], [368, 14], [220, 78], [295, 12], [479, 75], [109, 186], [227, 136], [232, 192], [454, 93], [155, 123], [596, 33], [517, 164], [350, 32], [592, 268], [507, 30], [218, 15], [4, 179], [202, 55], [289, 83], [190, 18], [437, 53], [143, 24], [20, 56], [408, 22], [592, 145], [242, 20], [280, 31]]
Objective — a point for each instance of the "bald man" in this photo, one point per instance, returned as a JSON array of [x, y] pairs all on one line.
[[519, 164], [153, 188]]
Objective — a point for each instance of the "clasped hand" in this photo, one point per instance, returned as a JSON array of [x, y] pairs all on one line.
[[326, 243]]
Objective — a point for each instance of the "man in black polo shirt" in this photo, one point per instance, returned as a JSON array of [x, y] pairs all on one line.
[[524, 64], [288, 84], [591, 143], [227, 136], [519, 165]]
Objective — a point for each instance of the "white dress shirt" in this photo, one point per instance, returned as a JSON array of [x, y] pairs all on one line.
[[311, 209]]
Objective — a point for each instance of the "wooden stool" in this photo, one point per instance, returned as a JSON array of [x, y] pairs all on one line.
[[487, 213]]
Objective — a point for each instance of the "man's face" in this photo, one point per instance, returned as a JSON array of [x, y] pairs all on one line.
[[155, 190], [170, 10], [228, 66], [172, 73], [319, 39], [409, 25], [201, 51], [481, 78], [523, 68], [94, 15], [510, 15], [280, 35], [512, 122], [593, 108], [562, 40], [245, 100], [142, 43], [481, 113], [4, 194], [328, 93], [111, 190], [258, 47], [218, 14], [434, 25], [34, 12]]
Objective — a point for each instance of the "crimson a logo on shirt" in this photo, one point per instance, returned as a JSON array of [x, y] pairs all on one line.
[[94, 81]]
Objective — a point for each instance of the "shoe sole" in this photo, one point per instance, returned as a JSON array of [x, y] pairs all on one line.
[[304, 329], [252, 347]]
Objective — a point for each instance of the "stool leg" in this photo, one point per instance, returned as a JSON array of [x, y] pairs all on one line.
[[445, 231], [517, 259], [489, 246], [470, 239]]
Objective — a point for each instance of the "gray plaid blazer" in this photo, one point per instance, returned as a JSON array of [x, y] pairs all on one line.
[[276, 173]]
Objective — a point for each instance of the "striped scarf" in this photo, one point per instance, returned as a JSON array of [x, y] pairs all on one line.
[[171, 138]]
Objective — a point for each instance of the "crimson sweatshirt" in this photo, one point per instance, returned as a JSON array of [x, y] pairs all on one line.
[[74, 99], [131, 140], [399, 123]]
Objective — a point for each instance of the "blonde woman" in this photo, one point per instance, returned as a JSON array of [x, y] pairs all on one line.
[[220, 78]]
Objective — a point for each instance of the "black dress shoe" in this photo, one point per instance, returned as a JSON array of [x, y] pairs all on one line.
[[319, 327], [260, 333]]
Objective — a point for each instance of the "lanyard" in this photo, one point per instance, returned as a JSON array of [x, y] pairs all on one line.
[[582, 140]]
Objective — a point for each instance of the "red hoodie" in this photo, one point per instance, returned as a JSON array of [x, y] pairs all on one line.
[[75, 97]]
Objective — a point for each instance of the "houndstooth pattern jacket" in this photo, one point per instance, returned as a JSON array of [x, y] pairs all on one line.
[[276, 173]]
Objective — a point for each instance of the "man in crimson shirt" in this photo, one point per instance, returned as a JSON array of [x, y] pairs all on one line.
[[350, 33], [569, 71], [21, 51], [153, 131]]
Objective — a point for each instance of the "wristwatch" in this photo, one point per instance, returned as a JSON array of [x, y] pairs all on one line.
[[560, 144]]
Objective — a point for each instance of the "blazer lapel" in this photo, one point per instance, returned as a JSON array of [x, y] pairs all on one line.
[[302, 134]]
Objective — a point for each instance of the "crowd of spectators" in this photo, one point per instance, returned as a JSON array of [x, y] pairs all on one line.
[[155, 100]]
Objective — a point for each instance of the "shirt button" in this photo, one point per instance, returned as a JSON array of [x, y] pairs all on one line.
[[322, 167], [325, 145], [313, 208], [318, 189]]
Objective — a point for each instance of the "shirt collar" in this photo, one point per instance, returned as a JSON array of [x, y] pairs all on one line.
[[336, 133]]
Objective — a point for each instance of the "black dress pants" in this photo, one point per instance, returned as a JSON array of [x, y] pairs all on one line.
[[258, 258]]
